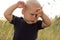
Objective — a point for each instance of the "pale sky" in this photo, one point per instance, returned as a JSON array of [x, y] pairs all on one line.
[[50, 7]]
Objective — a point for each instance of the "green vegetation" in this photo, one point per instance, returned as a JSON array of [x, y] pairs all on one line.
[[6, 30], [49, 33], [52, 32]]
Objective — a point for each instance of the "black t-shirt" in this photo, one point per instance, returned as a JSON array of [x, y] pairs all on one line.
[[25, 31]]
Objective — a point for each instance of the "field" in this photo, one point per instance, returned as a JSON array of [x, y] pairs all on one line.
[[50, 33]]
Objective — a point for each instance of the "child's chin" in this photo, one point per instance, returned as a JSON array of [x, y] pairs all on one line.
[[33, 21]]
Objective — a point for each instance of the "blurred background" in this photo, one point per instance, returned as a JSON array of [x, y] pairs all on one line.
[[50, 7]]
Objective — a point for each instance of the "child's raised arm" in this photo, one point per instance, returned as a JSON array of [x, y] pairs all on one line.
[[8, 12]]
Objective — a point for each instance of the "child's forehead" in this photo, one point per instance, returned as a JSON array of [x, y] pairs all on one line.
[[33, 9]]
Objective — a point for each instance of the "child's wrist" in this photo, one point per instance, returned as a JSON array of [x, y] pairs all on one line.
[[42, 14]]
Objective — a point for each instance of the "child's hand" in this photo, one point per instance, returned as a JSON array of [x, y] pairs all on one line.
[[20, 4], [40, 12]]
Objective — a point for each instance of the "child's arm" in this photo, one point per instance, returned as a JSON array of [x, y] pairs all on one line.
[[8, 12], [46, 21]]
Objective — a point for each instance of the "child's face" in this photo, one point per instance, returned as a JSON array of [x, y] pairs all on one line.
[[32, 14]]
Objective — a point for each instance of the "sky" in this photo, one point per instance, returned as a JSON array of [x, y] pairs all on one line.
[[50, 7]]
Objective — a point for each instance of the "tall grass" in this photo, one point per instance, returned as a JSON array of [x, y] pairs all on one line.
[[50, 33], [6, 31]]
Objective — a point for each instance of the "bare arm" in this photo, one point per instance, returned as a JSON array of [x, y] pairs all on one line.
[[8, 12], [46, 21]]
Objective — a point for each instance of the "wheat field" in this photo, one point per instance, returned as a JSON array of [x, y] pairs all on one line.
[[50, 33]]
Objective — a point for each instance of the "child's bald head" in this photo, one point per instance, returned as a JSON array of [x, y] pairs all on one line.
[[32, 5]]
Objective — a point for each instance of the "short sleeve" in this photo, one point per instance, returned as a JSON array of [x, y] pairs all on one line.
[[15, 20], [39, 25]]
